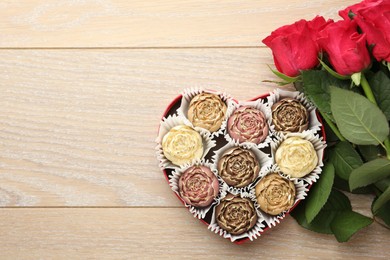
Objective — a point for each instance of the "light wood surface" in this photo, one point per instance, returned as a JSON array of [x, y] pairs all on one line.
[[83, 85], [168, 233], [123, 23]]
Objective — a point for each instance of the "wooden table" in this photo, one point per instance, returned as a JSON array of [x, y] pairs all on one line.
[[83, 86]]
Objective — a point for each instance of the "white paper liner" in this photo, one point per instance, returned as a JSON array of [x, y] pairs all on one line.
[[190, 93], [252, 234], [319, 146], [199, 213], [264, 160], [167, 124], [301, 190], [278, 94], [259, 105]]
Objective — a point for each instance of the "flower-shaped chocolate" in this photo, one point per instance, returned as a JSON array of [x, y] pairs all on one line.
[[289, 115], [207, 110], [248, 124], [275, 194], [296, 157], [238, 167], [182, 144], [236, 215], [198, 186]]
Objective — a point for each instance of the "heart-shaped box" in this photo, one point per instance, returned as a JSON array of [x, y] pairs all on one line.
[[216, 143]]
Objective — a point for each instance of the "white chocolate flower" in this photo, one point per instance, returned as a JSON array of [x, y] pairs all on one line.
[[296, 157], [182, 144]]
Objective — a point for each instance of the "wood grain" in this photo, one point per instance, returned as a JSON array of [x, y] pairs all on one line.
[[123, 23], [77, 128], [83, 84], [150, 234]]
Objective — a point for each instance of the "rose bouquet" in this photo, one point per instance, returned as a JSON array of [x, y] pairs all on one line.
[[343, 67]]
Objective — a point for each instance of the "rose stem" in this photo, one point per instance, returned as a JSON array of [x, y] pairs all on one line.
[[367, 89], [332, 126], [387, 145], [370, 96]]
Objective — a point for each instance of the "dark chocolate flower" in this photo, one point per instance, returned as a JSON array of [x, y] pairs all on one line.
[[198, 186], [289, 115], [236, 215], [207, 110], [248, 124], [238, 167], [275, 194]]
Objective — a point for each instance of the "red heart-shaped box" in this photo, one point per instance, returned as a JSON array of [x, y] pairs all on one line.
[[174, 106]]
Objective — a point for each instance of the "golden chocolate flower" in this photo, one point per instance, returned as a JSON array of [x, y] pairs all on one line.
[[182, 144], [248, 124], [207, 111], [275, 194], [289, 115], [236, 215], [198, 186], [296, 157], [238, 167]]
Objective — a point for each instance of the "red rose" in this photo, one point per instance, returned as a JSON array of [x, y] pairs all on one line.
[[373, 18], [346, 48], [294, 46], [364, 5]]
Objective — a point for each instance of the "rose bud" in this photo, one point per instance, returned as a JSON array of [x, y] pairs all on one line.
[[238, 167], [236, 215], [248, 124], [198, 186], [275, 194], [182, 144], [207, 111], [289, 115], [296, 157]]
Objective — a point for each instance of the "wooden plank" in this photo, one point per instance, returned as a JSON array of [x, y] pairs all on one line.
[[163, 233], [122, 23], [77, 128]]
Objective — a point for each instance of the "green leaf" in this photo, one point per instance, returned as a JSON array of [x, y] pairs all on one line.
[[345, 158], [382, 200], [284, 76], [380, 83], [358, 120], [316, 86], [337, 201], [331, 137], [383, 184], [321, 224], [319, 193], [344, 185], [369, 172], [332, 72], [369, 152], [347, 223], [384, 213]]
